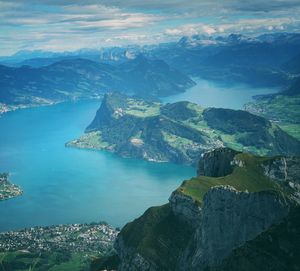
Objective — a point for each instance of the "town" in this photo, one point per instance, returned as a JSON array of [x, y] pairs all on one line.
[[73, 238]]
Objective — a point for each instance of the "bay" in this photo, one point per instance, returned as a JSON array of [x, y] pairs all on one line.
[[66, 185]]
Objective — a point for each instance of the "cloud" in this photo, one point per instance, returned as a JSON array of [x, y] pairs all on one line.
[[245, 26], [72, 24], [89, 15], [191, 29]]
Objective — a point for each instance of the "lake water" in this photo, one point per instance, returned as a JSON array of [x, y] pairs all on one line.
[[212, 94], [65, 185]]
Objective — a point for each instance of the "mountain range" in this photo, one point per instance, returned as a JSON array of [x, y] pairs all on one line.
[[70, 79], [36, 77]]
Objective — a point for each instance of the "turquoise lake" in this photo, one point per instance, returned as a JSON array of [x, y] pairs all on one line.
[[211, 94], [66, 185]]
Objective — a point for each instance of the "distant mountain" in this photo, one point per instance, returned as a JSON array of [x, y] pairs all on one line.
[[81, 78], [38, 58], [26, 54], [154, 77], [293, 90], [150, 71], [236, 39], [179, 132], [256, 61], [64, 80], [293, 65], [280, 38]]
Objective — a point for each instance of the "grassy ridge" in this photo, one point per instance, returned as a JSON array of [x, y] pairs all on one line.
[[249, 178], [158, 235]]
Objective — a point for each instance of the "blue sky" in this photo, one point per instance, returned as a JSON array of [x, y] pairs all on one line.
[[65, 25]]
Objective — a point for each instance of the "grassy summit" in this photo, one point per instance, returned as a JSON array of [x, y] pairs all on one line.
[[163, 234], [247, 177]]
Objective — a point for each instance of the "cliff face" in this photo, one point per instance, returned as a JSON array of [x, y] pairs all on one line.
[[275, 249], [207, 218], [283, 169], [217, 163], [180, 132], [229, 218]]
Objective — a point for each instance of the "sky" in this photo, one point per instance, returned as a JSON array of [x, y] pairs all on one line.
[[68, 25]]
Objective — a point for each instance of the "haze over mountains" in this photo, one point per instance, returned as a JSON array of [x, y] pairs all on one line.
[[37, 77], [76, 78]]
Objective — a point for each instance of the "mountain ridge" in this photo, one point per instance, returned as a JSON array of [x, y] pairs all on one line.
[[71, 79], [204, 217]]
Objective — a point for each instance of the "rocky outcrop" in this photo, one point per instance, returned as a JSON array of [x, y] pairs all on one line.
[[186, 209], [283, 169], [134, 262], [201, 234], [217, 163], [275, 249]]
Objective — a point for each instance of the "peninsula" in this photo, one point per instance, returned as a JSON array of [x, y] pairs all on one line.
[[179, 132], [7, 189]]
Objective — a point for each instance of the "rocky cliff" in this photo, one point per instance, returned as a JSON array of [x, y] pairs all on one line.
[[217, 163], [179, 132], [210, 220]]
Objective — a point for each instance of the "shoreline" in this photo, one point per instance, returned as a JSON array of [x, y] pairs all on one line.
[[8, 190]]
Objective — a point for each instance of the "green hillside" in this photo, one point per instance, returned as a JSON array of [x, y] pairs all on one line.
[[179, 132]]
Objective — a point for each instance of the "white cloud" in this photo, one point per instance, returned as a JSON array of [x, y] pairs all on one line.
[[191, 29], [246, 26], [70, 24]]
